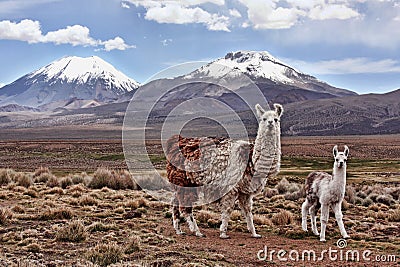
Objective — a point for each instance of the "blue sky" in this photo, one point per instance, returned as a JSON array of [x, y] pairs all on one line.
[[349, 44]]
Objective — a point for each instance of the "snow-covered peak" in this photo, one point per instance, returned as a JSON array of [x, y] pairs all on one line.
[[80, 70], [257, 64]]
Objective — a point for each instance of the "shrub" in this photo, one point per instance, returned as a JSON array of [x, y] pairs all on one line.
[[74, 232], [105, 254], [203, 216], [361, 194], [283, 186], [23, 179], [284, 217], [385, 199], [373, 196], [5, 215], [101, 178], [235, 215], [112, 179], [350, 195], [270, 192], [39, 171], [5, 176], [43, 177], [32, 193], [65, 182], [367, 202], [53, 182]]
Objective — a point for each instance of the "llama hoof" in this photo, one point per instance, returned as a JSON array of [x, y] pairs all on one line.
[[198, 234], [316, 233], [304, 229], [322, 239], [224, 236], [256, 236], [346, 236], [180, 233]]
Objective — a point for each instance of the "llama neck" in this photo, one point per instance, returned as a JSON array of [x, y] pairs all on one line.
[[339, 177], [267, 152]]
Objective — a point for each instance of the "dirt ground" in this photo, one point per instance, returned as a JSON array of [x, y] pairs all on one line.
[[138, 229]]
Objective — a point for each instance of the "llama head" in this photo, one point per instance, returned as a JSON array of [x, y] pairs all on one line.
[[340, 157], [270, 119]]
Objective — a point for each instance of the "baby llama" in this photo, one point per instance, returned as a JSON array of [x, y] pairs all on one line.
[[221, 163], [325, 191]]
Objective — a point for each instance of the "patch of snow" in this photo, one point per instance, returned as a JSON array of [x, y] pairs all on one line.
[[80, 70]]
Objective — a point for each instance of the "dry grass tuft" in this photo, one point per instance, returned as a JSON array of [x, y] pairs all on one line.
[[270, 192], [105, 254], [235, 215], [39, 171], [133, 245], [53, 182], [56, 214], [284, 217], [5, 176], [203, 216], [23, 180], [33, 247], [43, 177], [5, 215], [101, 227], [395, 216], [87, 201], [261, 220], [112, 179], [283, 186], [73, 232], [65, 182]]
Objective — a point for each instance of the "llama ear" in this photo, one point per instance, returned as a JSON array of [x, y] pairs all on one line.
[[260, 110], [346, 151], [278, 109], [335, 151]]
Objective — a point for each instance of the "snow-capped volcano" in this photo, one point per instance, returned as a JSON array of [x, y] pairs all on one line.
[[257, 64], [262, 68], [68, 78], [81, 70]]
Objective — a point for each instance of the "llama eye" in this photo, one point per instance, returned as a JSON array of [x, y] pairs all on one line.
[[345, 160], [264, 119], [276, 120], [337, 160]]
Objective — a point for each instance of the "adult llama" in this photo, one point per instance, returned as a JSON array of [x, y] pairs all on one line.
[[221, 163]]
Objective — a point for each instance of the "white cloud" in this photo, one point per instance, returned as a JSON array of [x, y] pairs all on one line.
[[166, 42], [125, 5], [27, 30], [116, 44], [347, 66], [74, 35], [184, 12], [332, 12], [30, 31], [235, 13], [267, 15], [2, 84]]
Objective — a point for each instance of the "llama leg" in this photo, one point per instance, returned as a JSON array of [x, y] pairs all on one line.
[[176, 220], [324, 220], [246, 203], [188, 214], [339, 218], [304, 211], [227, 203], [313, 212], [176, 216]]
